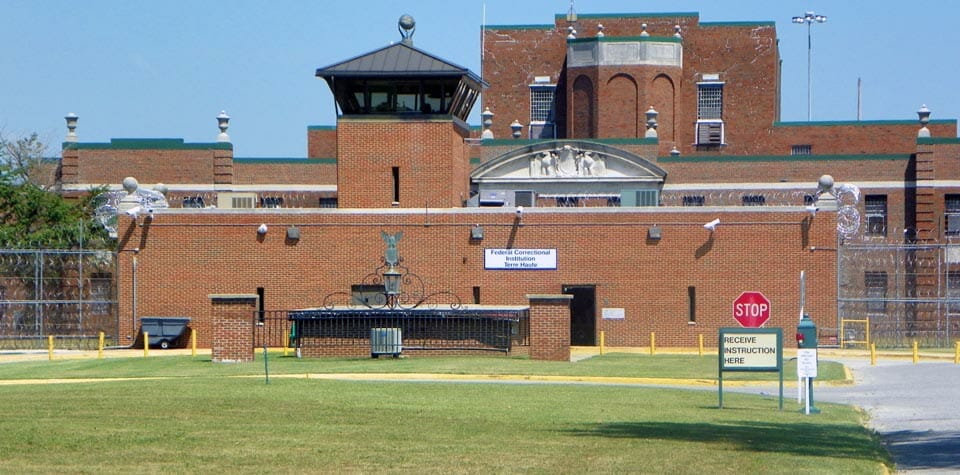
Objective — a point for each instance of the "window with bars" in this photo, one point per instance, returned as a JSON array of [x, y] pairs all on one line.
[[694, 200], [805, 149], [875, 287], [953, 292], [875, 207], [951, 207], [754, 200], [710, 100], [541, 103]]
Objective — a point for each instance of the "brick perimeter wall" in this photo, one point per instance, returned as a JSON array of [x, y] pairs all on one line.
[[186, 255]]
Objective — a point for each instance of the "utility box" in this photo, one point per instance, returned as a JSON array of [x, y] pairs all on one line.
[[806, 333], [385, 341], [163, 331]]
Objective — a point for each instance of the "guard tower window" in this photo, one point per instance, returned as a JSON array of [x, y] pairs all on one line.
[[876, 214], [951, 206]]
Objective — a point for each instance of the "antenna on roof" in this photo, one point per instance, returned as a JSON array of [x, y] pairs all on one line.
[[571, 14]]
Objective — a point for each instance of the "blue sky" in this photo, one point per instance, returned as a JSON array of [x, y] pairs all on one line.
[[151, 69]]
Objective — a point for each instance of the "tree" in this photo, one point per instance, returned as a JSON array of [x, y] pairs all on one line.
[[32, 216]]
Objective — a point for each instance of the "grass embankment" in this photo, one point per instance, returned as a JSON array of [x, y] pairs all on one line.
[[200, 420]]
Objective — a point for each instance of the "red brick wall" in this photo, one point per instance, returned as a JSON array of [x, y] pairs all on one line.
[[550, 327], [186, 255], [148, 165], [368, 149], [321, 142], [305, 172], [232, 322]]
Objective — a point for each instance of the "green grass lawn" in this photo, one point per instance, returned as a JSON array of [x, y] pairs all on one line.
[[200, 419], [611, 365]]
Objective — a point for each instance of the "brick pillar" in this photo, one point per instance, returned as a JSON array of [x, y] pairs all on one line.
[[223, 163], [550, 327], [233, 327], [70, 164]]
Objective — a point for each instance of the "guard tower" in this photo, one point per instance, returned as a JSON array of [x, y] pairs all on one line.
[[401, 125]]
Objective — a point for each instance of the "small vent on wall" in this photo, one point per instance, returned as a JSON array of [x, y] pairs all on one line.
[[228, 200]]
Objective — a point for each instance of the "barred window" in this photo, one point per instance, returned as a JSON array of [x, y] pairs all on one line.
[[754, 200], [541, 103], [693, 200], [801, 149], [951, 206], [876, 214], [710, 100]]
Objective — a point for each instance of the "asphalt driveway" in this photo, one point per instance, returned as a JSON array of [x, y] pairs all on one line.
[[914, 407]]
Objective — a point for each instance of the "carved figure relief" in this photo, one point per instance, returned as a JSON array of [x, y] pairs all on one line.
[[567, 161]]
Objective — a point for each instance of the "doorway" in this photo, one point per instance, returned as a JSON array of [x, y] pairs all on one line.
[[583, 314]]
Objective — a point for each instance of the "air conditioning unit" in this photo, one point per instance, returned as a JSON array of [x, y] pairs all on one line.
[[385, 341], [525, 198], [493, 198], [710, 132], [230, 200]]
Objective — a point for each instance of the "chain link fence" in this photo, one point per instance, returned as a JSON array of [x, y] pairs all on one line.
[[68, 294]]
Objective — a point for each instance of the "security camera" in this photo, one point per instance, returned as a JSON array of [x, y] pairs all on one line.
[[150, 211], [262, 229], [712, 225], [812, 210], [133, 212], [519, 211]]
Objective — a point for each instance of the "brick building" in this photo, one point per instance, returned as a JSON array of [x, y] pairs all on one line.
[[608, 142]]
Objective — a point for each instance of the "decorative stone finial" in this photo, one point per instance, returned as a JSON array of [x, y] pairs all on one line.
[[924, 115], [223, 121], [487, 117], [130, 184], [651, 123], [71, 119], [516, 127], [407, 27]]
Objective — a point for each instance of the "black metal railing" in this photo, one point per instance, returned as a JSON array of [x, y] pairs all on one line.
[[419, 329]]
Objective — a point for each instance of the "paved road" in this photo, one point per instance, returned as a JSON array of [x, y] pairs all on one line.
[[915, 408]]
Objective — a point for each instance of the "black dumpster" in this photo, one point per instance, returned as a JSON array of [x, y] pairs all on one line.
[[163, 331]]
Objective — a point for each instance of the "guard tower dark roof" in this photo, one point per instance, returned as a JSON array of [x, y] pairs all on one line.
[[402, 79]]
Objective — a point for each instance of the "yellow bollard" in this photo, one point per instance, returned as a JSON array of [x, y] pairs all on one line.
[[700, 344], [50, 347], [146, 344], [956, 352], [916, 353], [653, 343], [193, 342], [100, 347], [873, 354], [601, 343]]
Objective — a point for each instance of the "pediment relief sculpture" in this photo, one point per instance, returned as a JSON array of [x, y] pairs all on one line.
[[567, 161]]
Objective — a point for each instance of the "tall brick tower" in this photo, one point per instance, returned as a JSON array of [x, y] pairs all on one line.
[[401, 127]]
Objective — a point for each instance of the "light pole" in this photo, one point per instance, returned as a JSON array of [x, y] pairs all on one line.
[[809, 18]]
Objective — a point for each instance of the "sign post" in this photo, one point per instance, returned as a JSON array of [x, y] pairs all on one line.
[[751, 349]]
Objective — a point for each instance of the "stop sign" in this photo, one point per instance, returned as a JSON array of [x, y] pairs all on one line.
[[751, 309]]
